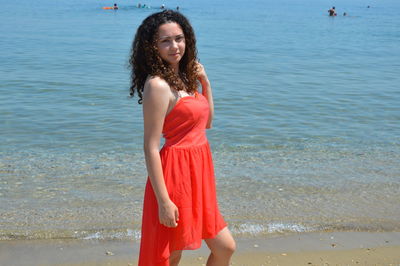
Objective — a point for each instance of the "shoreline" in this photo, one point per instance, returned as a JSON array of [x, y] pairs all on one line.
[[337, 248]]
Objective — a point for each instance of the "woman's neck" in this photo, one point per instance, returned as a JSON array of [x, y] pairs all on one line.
[[175, 69]]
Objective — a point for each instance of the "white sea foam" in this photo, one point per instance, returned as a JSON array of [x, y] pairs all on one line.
[[128, 234], [282, 228], [254, 229]]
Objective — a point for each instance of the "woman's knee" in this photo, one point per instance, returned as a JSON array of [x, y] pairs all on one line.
[[225, 249], [230, 247], [224, 252], [229, 244]]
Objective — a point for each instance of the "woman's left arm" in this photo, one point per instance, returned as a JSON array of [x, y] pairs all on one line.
[[206, 91]]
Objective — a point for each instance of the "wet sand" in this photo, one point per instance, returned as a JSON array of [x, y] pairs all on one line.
[[335, 248]]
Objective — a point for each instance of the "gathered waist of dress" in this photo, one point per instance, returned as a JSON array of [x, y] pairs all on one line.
[[186, 139], [171, 145]]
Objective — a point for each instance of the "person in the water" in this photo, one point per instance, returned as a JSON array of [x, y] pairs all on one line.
[[332, 11], [115, 6]]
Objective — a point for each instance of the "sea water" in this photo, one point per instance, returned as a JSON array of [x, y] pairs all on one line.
[[306, 135]]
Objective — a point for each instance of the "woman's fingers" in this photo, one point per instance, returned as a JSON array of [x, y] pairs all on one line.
[[199, 67], [170, 224], [167, 223], [171, 219], [175, 219], [201, 72], [176, 215]]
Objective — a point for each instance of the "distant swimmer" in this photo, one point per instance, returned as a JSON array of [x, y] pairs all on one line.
[[332, 12], [344, 14], [162, 6], [177, 8], [115, 7]]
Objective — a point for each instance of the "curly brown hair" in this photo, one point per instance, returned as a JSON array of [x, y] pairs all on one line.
[[145, 59]]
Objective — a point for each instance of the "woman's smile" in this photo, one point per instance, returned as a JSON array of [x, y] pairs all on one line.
[[171, 43]]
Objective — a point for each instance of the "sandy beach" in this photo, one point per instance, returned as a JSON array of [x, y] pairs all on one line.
[[335, 248]]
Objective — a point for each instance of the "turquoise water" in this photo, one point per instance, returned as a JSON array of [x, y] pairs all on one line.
[[306, 134]]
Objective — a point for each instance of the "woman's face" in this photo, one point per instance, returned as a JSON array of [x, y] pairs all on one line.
[[171, 43]]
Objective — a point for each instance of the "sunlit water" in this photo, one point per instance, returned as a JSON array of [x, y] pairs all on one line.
[[306, 134]]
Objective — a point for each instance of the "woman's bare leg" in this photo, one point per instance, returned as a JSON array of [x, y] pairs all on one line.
[[222, 248], [175, 257]]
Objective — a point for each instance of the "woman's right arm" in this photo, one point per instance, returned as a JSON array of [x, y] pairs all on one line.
[[155, 106]]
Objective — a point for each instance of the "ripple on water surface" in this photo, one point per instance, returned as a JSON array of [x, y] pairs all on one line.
[[281, 190]]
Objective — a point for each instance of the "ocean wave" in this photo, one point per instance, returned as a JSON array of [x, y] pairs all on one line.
[[254, 229]]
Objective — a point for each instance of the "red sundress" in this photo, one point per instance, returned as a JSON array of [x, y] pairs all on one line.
[[189, 177]]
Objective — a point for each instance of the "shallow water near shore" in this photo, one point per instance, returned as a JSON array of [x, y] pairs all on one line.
[[306, 135]]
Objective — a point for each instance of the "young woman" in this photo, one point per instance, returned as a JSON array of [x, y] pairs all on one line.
[[180, 205]]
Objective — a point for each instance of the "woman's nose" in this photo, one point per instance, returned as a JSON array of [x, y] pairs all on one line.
[[174, 44]]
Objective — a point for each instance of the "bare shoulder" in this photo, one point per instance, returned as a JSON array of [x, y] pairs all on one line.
[[157, 93], [156, 85]]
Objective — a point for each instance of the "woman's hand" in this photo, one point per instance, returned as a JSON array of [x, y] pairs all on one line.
[[201, 73], [206, 91], [168, 214]]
